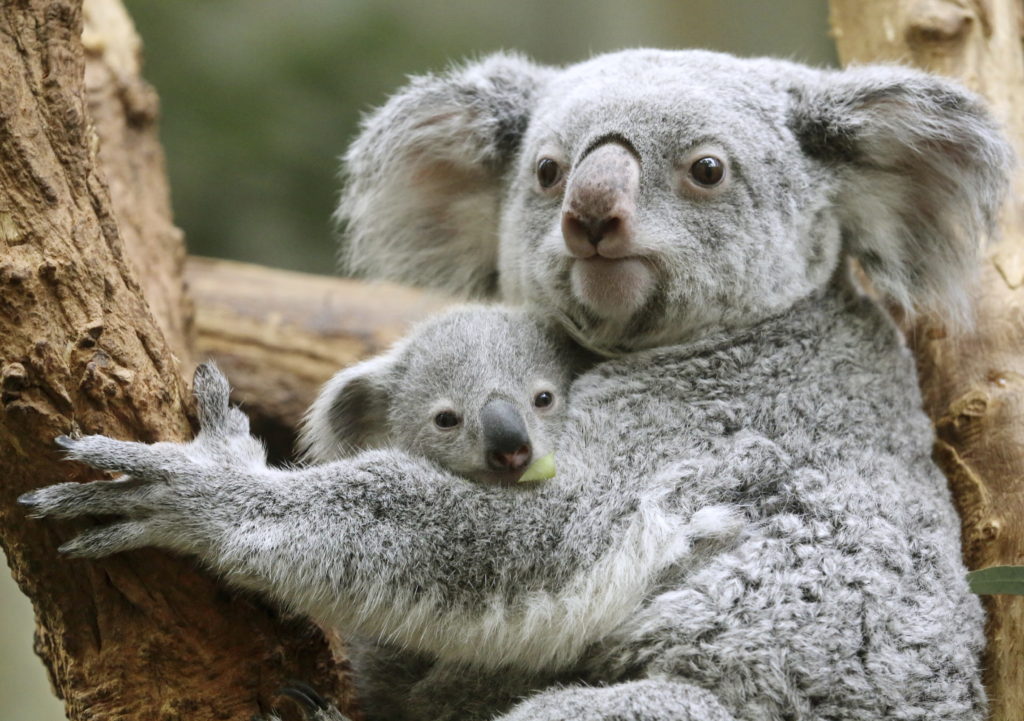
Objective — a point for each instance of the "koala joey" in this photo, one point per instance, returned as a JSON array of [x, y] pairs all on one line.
[[479, 390], [746, 523]]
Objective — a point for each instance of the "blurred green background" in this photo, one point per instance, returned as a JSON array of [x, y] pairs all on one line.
[[260, 97]]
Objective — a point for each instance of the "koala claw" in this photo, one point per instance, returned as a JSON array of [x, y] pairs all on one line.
[[305, 695], [314, 706], [69, 500], [141, 460], [103, 541]]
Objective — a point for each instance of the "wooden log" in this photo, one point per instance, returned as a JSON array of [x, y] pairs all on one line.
[[140, 635], [278, 335], [972, 382]]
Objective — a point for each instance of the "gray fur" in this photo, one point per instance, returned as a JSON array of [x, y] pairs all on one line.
[[434, 156], [746, 523], [463, 360], [903, 170]]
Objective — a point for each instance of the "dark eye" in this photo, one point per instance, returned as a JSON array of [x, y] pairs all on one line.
[[446, 419], [543, 399], [708, 171], [548, 172]]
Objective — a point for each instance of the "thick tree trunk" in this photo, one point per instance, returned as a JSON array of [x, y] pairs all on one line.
[[973, 382], [141, 635]]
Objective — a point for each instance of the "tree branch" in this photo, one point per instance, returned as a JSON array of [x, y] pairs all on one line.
[[278, 348]]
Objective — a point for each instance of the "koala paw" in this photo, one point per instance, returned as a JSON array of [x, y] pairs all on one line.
[[212, 393], [164, 484]]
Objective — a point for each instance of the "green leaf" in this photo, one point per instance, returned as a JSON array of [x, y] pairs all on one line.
[[540, 470], [997, 580]]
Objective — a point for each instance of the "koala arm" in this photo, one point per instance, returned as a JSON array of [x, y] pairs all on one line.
[[384, 544], [653, 699]]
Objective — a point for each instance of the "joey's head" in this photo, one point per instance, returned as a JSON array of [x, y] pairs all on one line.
[[479, 390], [649, 197]]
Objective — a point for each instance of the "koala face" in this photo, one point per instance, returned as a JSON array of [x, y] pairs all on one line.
[[649, 208], [647, 197], [479, 390]]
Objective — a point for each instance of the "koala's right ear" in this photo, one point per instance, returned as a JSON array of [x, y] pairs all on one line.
[[351, 412], [921, 169], [423, 179]]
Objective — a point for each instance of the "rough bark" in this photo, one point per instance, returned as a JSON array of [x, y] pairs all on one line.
[[141, 635], [279, 347], [973, 382], [123, 109]]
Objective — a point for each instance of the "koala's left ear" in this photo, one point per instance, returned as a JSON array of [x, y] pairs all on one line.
[[921, 169], [423, 181], [350, 414]]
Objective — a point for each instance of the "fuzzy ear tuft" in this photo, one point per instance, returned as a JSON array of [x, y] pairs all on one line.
[[922, 172], [351, 412], [423, 179]]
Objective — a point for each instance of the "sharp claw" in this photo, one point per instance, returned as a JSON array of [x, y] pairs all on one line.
[[303, 694], [309, 691], [65, 442]]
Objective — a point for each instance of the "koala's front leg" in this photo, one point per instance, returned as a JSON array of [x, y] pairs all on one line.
[[384, 544], [171, 494], [645, 700]]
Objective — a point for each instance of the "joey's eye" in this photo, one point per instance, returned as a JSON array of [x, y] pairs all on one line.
[[707, 171], [543, 399], [446, 419], [549, 172]]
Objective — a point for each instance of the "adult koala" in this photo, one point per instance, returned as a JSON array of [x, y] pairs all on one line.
[[689, 213]]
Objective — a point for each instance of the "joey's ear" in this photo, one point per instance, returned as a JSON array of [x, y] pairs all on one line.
[[922, 170], [423, 179], [351, 412]]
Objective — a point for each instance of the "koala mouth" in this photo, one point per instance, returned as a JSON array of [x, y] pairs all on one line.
[[612, 288], [505, 479]]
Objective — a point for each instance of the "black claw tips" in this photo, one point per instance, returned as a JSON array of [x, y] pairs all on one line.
[[305, 696]]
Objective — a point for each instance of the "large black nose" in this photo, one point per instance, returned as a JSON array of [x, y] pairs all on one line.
[[506, 442]]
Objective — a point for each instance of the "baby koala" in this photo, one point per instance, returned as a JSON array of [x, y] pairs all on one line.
[[480, 390]]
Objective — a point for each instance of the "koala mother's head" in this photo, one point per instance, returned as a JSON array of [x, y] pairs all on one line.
[[648, 197]]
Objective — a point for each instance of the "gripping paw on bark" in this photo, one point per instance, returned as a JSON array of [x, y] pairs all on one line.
[[162, 483]]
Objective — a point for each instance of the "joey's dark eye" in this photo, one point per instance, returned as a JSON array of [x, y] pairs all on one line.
[[446, 419], [548, 172], [707, 171], [543, 399]]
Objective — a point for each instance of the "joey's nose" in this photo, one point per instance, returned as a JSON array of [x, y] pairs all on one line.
[[514, 461], [506, 440], [600, 202]]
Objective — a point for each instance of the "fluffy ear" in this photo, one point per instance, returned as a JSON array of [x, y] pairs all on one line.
[[922, 171], [351, 412], [422, 187]]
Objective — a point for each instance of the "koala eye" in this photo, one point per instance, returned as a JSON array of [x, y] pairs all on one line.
[[446, 420], [543, 399], [707, 171], [549, 172]]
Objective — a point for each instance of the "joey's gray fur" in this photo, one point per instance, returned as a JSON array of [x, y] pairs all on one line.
[[746, 522], [485, 365]]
